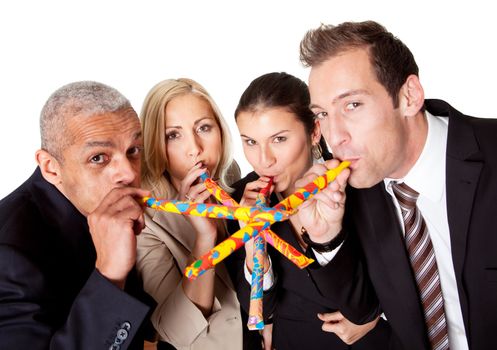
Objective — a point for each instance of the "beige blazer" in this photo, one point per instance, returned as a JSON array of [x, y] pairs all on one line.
[[164, 250]]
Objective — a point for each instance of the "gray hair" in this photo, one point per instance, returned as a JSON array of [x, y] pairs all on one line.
[[81, 99]]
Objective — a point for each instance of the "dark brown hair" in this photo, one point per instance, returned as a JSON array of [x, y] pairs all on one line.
[[390, 58], [280, 89]]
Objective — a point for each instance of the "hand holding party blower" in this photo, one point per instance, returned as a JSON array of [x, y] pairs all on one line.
[[257, 218]]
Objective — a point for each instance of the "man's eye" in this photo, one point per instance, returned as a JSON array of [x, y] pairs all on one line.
[[352, 105], [134, 151], [98, 159], [320, 115]]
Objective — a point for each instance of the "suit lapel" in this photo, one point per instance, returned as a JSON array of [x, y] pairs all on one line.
[[463, 168], [388, 240]]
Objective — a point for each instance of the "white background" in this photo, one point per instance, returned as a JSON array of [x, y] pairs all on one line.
[[131, 45]]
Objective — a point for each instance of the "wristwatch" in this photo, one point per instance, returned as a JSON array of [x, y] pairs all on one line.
[[323, 247]]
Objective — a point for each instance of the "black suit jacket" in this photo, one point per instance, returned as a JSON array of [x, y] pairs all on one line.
[[294, 301], [51, 296], [471, 187]]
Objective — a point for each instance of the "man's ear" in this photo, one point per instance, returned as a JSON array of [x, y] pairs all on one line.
[[49, 166], [411, 96]]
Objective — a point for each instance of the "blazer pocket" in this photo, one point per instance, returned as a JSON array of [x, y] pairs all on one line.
[[491, 274]]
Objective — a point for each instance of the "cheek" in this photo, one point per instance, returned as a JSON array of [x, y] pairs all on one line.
[[176, 159], [252, 155], [215, 145]]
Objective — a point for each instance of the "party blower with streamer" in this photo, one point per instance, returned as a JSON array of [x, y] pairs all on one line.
[[259, 219]]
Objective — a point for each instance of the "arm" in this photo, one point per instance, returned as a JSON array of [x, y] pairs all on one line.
[[163, 280], [29, 317], [344, 278]]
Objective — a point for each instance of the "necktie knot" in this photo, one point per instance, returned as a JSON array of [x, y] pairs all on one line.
[[406, 196]]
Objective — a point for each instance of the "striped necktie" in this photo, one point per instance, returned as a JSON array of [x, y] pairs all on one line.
[[424, 265]]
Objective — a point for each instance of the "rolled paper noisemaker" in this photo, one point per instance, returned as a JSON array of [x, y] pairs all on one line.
[[283, 209], [291, 202], [255, 317]]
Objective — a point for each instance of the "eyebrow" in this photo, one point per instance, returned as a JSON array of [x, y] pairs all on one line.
[[270, 136], [195, 123], [109, 144], [342, 96]]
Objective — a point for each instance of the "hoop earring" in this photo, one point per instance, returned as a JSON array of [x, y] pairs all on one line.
[[317, 151]]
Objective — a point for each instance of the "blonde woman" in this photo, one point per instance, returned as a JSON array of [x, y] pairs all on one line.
[[184, 135]]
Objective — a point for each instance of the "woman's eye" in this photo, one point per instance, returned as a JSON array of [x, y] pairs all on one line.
[[205, 128], [250, 142], [279, 139], [320, 115], [172, 135]]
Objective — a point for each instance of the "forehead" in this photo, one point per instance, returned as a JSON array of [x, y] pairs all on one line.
[[120, 125], [187, 108], [349, 70], [267, 122]]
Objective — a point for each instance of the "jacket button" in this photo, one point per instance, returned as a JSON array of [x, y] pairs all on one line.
[[126, 325], [122, 334]]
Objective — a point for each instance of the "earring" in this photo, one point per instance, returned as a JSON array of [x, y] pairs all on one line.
[[317, 151]]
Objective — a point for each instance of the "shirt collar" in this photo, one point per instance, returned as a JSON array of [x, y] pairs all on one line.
[[427, 176]]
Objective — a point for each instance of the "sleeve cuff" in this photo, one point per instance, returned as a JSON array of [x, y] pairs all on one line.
[[268, 280], [324, 258]]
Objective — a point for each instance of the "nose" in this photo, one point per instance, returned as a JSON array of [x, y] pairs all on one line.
[[267, 157], [194, 147], [125, 172], [335, 132]]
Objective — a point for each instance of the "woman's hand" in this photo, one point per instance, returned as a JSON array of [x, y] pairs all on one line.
[[192, 190], [249, 197]]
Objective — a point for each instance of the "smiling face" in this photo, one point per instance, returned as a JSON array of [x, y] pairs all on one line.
[[104, 153], [192, 135], [358, 118], [276, 144]]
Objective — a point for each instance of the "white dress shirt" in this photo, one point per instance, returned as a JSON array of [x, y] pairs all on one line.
[[427, 177]]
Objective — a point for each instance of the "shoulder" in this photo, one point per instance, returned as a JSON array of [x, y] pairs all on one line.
[[20, 217]]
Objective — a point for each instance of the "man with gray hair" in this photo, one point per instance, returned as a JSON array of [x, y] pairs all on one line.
[[68, 234]]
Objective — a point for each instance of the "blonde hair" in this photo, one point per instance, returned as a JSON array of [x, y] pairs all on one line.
[[155, 176]]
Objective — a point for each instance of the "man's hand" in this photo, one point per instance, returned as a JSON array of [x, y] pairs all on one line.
[[113, 227], [322, 215], [349, 332]]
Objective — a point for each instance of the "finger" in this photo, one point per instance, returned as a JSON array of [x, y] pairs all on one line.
[[332, 327], [139, 224], [117, 205], [331, 316], [197, 190], [257, 185], [202, 197], [117, 193], [190, 179], [310, 175]]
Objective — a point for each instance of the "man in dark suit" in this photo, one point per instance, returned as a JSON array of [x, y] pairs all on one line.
[[67, 235], [423, 178]]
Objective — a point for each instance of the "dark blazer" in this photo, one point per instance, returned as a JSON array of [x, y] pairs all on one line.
[[51, 296], [471, 185], [295, 301]]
